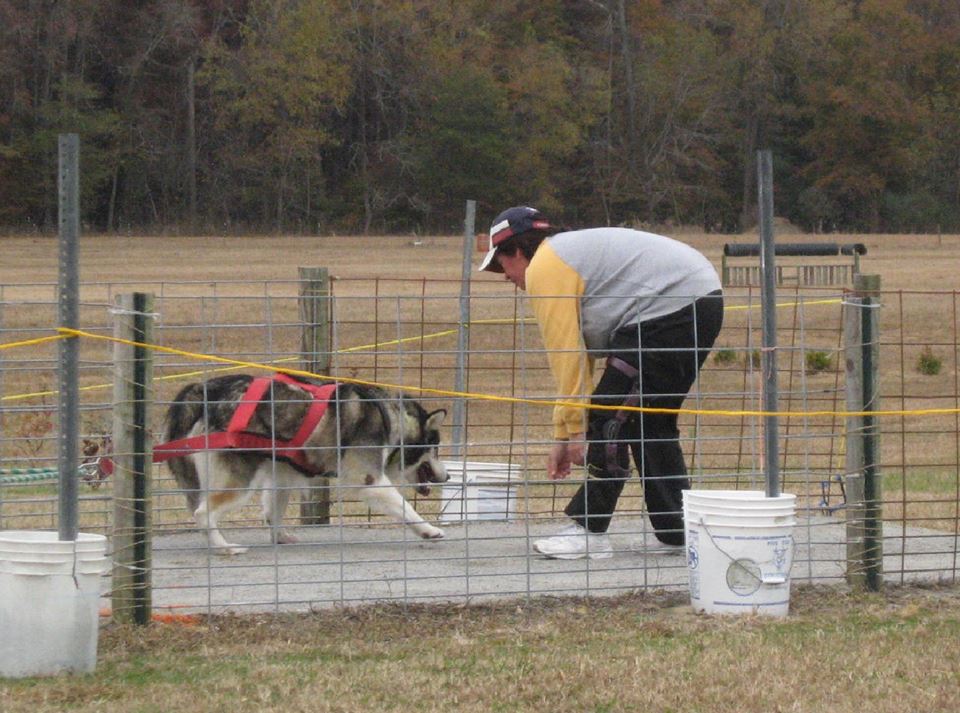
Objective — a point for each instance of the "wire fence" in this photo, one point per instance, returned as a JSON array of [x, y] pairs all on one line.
[[403, 333]]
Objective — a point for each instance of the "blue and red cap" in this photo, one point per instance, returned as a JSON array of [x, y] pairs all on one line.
[[512, 221]]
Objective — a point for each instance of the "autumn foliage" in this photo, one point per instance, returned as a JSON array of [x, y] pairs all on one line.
[[386, 115]]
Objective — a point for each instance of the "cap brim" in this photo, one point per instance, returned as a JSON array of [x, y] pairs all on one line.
[[490, 263]]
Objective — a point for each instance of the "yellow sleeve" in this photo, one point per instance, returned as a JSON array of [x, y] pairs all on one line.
[[555, 289]]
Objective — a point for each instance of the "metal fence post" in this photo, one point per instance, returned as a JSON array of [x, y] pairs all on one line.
[[853, 438], [3, 435], [771, 395], [132, 457], [68, 182], [863, 486], [869, 287], [315, 353], [458, 441]]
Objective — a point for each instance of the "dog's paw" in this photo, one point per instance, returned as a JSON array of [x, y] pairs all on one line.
[[429, 532], [285, 538]]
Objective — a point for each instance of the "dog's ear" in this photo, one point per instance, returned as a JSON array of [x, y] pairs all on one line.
[[435, 418]]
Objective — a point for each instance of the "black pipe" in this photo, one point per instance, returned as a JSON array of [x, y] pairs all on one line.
[[811, 249], [140, 467]]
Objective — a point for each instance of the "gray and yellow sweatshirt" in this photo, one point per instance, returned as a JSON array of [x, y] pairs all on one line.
[[584, 285]]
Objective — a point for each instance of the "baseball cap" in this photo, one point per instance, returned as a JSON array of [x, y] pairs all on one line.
[[512, 221]]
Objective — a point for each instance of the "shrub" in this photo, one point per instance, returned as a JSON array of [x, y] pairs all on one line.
[[929, 363], [818, 361], [724, 356]]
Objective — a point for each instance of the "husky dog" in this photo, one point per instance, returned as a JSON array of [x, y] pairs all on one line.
[[370, 439]]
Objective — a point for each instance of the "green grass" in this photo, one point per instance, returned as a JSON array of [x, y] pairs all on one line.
[[818, 361], [927, 482], [724, 357], [836, 651], [929, 363], [30, 490]]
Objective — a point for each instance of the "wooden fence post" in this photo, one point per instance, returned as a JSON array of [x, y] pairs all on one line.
[[315, 309], [863, 487], [132, 458]]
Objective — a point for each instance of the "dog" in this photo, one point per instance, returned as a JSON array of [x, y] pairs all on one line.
[[370, 439]]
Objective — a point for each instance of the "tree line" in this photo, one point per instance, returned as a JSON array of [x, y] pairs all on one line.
[[386, 115]]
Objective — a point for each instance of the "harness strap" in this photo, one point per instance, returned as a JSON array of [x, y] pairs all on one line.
[[237, 437], [611, 429], [321, 397], [248, 404], [623, 367]]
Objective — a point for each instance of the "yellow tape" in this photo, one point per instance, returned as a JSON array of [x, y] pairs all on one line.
[[65, 333], [32, 342], [805, 303], [236, 363]]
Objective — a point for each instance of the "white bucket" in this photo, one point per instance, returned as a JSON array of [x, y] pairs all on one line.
[[49, 602], [739, 551], [738, 500], [479, 491]]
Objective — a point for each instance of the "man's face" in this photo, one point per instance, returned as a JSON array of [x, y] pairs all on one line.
[[514, 268]]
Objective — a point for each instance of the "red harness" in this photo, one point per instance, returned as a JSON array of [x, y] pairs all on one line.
[[236, 435]]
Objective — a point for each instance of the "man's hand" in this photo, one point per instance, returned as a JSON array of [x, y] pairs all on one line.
[[564, 454]]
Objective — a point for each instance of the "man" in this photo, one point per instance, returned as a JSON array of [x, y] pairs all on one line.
[[653, 307]]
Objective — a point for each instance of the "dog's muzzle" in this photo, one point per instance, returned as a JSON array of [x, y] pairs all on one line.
[[427, 474]]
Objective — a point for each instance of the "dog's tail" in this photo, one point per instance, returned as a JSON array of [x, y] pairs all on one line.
[[183, 414]]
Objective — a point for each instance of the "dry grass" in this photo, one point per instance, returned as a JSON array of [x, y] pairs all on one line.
[[904, 262], [837, 652], [192, 276]]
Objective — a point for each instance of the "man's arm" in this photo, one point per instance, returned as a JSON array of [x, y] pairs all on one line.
[[555, 290]]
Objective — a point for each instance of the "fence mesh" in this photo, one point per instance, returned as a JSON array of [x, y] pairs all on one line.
[[404, 333]]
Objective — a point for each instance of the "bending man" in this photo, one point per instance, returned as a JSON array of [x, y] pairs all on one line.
[[653, 307]]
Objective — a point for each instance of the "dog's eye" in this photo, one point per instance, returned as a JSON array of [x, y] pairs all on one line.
[[413, 455], [408, 456]]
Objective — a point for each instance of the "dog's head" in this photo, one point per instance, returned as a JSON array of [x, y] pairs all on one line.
[[417, 457]]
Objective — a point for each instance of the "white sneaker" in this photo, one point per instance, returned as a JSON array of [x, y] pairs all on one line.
[[661, 548], [574, 542]]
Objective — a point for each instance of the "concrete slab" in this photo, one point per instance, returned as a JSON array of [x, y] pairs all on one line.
[[479, 561]]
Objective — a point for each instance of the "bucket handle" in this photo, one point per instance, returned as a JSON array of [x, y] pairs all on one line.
[[772, 579]]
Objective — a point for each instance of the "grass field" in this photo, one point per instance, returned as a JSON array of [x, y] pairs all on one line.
[[917, 272], [837, 653], [920, 313], [895, 651], [908, 262], [919, 316]]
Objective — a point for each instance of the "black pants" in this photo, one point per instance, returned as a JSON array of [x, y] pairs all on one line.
[[668, 352]]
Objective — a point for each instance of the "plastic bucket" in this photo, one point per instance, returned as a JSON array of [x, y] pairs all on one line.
[[739, 551], [49, 602], [733, 519], [738, 500], [479, 491]]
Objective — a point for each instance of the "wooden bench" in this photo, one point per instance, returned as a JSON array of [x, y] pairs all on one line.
[[817, 269]]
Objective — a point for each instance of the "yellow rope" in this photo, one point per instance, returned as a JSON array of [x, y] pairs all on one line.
[[32, 342], [196, 373], [236, 363]]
